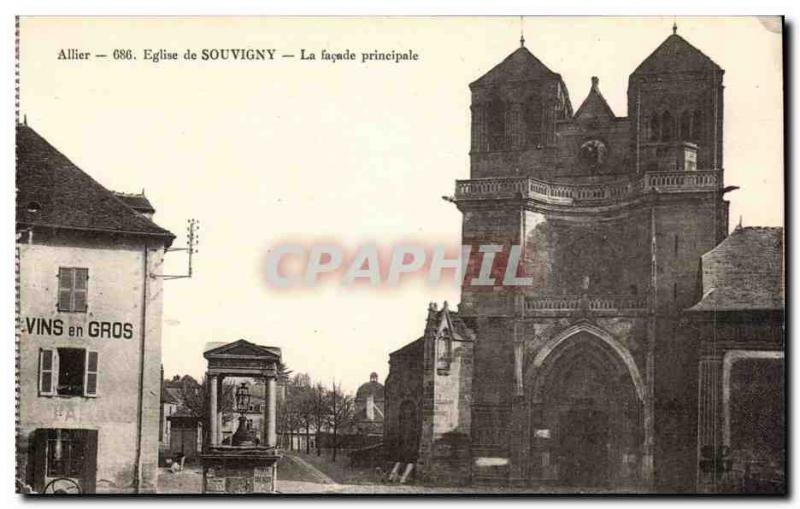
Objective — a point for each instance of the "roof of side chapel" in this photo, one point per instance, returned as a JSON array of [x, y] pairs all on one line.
[[744, 272]]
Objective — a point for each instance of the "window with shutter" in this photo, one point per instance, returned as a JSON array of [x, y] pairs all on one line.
[[64, 289], [47, 372], [90, 386], [79, 290], [72, 289]]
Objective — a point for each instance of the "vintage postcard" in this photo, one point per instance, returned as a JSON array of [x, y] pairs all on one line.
[[400, 255]]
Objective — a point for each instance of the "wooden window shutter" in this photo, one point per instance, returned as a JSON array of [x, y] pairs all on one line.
[[72, 289], [90, 382], [65, 281], [38, 463], [89, 467], [48, 372], [79, 289]]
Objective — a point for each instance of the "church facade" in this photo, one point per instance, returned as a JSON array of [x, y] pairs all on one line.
[[586, 376]]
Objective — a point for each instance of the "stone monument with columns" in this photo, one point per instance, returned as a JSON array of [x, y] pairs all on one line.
[[248, 464]]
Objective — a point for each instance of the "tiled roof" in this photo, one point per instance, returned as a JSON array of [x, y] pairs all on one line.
[[744, 272], [54, 192], [137, 202], [519, 65], [675, 54]]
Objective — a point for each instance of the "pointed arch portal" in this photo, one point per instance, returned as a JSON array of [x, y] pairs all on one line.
[[587, 401]]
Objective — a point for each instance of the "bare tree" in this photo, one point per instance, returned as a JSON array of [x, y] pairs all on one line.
[[293, 409], [319, 410], [302, 397], [341, 414]]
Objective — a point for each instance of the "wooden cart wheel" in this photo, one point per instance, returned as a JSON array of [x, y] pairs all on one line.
[[62, 486]]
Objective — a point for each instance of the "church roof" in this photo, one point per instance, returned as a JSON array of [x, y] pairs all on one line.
[[744, 272], [519, 65], [413, 348], [52, 191], [595, 105], [675, 54]]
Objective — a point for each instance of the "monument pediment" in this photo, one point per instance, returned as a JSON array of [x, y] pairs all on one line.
[[244, 349]]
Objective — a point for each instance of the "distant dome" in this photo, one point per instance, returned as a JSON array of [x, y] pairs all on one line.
[[372, 388]]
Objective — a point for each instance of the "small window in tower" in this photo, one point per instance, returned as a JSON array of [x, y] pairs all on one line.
[[676, 244], [686, 126], [496, 124], [533, 122], [667, 126], [675, 292], [654, 133], [697, 126]]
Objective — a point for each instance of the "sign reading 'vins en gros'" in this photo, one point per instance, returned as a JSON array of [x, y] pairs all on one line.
[[94, 329]]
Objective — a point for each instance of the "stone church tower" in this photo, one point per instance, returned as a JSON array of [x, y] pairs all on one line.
[[581, 376]]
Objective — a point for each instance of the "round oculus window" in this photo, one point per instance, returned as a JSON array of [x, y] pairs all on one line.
[[592, 154]]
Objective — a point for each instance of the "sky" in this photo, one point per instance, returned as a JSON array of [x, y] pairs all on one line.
[[262, 153]]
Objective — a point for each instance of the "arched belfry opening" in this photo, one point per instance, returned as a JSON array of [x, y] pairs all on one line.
[[587, 413]]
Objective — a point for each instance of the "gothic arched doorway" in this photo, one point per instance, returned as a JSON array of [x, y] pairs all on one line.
[[586, 414]]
